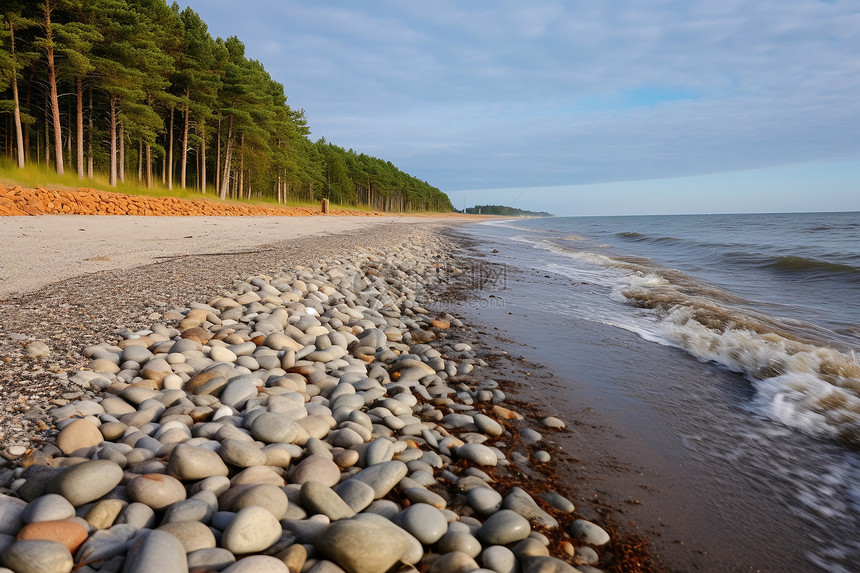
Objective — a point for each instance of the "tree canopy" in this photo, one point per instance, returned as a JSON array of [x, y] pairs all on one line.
[[504, 211], [140, 87]]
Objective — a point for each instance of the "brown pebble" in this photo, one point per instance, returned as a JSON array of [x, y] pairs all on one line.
[[69, 533]]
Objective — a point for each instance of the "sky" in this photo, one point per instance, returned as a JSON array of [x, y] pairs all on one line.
[[579, 107]]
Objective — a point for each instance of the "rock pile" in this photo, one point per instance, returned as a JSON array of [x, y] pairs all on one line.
[[40, 201], [319, 420]]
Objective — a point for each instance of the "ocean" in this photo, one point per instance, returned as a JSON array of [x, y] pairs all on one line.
[[749, 326]]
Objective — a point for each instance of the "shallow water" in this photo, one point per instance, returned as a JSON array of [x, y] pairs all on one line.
[[721, 345]]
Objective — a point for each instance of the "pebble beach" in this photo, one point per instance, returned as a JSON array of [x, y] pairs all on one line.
[[305, 407]]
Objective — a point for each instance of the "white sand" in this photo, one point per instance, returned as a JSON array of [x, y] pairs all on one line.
[[37, 251]]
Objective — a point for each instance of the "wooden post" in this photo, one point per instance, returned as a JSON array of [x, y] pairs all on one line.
[[324, 206]]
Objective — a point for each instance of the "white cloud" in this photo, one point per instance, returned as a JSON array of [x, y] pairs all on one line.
[[489, 93]]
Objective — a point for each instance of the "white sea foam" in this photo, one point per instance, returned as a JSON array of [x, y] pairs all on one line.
[[812, 388], [809, 387], [803, 385]]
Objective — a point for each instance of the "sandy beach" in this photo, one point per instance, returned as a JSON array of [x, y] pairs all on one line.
[[41, 250]]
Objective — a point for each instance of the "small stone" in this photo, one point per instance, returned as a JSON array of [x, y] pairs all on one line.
[[78, 434], [319, 498], [357, 494], [521, 502], [137, 515], [530, 436], [155, 490], [553, 422], [193, 535], [589, 532], [558, 501], [156, 369], [316, 468], [460, 541], [69, 533], [382, 477], [222, 354], [362, 546], [529, 547], [194, 509], [426, 523], [37, 556], [102, 514], [253, 529], [237, 392], [37, 349], [274, 428], [103, 366], [500, 559], [16, 451], [484, 501], [241, 453], [478, 454], [48, 507], [156, 551], [11, 510], [258, 564], [424, 495], [506, 414], [546, 564], [192, 464], [88, 481], [488, 425], [214, 558], [294, 557], [585, 555], [504, 527], [264, 495], [453, 562]]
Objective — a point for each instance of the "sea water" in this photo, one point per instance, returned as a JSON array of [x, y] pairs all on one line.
[[772, 299]]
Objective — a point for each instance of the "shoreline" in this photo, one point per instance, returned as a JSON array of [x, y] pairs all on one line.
[[153, 278], [666, 440]]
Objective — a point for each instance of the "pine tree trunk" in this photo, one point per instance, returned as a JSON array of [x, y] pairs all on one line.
[[113, 141], [121, 151], [19, 137], [148, 166], [170, 153], [203, 157], [80, 113], [27, 101], [241, 188], [52, 85], [69, 136], [225, 178], [90, 160], [185, 140], [140, 161], [218, 159], [47, 133]]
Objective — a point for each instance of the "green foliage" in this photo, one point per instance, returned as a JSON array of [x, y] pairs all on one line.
[[141, 64], [504, 211]]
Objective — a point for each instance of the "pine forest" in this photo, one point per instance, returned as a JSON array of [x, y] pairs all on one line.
[[139, 90]]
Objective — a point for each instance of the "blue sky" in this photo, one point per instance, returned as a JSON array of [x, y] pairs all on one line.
[[579, 108]]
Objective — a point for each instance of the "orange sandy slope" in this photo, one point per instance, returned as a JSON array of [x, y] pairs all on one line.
[[65, 201]]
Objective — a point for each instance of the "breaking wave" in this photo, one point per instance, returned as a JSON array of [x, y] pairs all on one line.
[[800, 380], [806, 266]]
